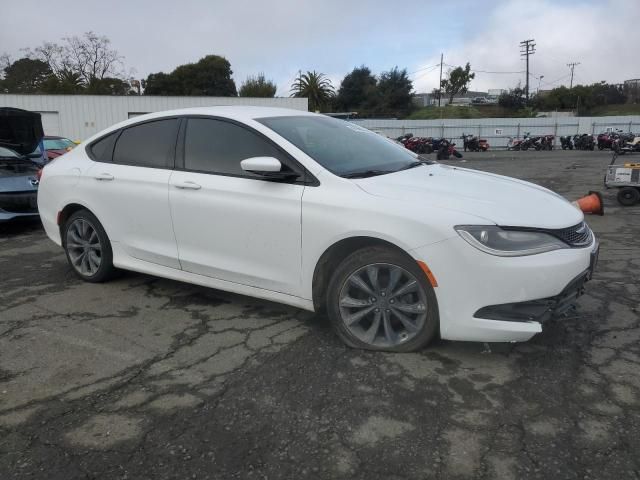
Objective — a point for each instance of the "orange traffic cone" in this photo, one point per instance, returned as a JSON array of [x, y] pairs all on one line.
[[592, 203]]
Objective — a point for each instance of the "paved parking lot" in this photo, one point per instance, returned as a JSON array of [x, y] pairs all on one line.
[[149, 378]]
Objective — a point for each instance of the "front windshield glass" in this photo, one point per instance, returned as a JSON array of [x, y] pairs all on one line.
[[342, 147], [57, 143]]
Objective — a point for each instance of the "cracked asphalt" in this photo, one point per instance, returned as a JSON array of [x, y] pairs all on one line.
[[145, 378]]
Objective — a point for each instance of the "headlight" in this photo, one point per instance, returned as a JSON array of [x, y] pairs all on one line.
[[508, 243]]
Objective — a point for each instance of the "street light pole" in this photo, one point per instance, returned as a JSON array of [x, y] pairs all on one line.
[[539, 80]]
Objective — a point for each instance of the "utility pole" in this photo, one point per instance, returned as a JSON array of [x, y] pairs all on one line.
[[527, 47], [572, 65], [440, 88]]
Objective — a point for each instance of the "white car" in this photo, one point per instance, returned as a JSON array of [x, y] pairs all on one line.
[[321, 214]]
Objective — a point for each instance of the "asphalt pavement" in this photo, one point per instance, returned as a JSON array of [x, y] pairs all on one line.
[[145, 378]]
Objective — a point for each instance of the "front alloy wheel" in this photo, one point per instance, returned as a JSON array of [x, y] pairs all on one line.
[[380, 299], [383, 305]]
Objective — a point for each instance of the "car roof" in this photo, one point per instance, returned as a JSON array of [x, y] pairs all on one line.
[[235, 112], [241, 113]]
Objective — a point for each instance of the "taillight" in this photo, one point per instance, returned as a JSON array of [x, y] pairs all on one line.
[[39, 174]]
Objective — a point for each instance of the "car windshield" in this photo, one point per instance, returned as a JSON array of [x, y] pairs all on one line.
[[341, 147], [57, 143]]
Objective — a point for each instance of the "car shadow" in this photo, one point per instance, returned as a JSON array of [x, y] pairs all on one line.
[[20, 226]]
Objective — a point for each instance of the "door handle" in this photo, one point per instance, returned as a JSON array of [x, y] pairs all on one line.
[[104, 176], [187, 185]]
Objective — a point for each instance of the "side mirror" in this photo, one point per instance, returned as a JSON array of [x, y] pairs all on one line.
[[268, 167]]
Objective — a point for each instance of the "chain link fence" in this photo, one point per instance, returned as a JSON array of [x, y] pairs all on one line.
[[499, 131]]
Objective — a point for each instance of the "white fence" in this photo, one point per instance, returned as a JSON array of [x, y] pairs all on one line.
[[498, 131]]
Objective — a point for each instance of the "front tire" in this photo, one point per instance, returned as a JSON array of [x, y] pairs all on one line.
[[87, 247], [380, 299]]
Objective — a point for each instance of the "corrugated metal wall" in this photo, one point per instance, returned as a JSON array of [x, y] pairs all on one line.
[[80, 116], [498, 130]]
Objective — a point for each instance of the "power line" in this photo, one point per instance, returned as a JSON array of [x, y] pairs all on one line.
[[485, 71], [425, 68], [572, 65], [527, 48]]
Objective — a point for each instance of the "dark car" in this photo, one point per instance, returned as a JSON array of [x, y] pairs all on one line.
[[20, 162], [56, 146]]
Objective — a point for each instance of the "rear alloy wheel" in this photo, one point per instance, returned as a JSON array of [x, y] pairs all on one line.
[[628, 196], [381, 300], [87, 247]]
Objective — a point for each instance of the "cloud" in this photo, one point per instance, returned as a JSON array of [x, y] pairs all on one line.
[[595, 34], [279, 37]]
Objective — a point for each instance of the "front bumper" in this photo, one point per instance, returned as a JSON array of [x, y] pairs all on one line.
[[503, 299]]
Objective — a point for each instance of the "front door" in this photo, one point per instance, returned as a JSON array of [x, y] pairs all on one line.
[[230, 224]]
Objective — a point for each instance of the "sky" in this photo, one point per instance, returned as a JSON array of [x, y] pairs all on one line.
[[280, 37]]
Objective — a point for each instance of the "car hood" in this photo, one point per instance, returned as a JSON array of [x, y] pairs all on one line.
[[20, 130], [501, 200]]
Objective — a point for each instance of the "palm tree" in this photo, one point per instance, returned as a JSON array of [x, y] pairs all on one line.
[[70, 82], [316, 87]]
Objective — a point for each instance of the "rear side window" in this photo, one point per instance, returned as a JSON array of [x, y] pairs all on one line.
[[150, 144], [102, 150], [216, 146]]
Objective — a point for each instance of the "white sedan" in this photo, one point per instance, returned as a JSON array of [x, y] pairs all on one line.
[[321, 214]]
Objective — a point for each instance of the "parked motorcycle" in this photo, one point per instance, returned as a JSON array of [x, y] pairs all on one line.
[[545, 142], [446, 149], [474, 144], [566, 142], [604, 140], [418, 145], [584, 142]]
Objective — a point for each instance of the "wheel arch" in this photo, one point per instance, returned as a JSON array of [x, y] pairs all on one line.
[[335, 254], [68, 210]]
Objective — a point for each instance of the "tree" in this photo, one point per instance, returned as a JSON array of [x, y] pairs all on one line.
[[358, 91], [514, 99], [108, 86], [26, 75], [90, 56], [5, 61], [395, 91], [258, 86], [210, 76], [316, 87], [457, 81]]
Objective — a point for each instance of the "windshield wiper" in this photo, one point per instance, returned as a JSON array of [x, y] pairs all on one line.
[[417, 163], [365, 173]]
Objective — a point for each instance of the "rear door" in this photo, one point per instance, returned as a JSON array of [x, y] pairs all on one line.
[[128, 187]]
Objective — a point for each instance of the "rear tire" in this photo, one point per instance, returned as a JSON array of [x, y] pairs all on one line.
[[628, 196], [87, 247], [380, 299]]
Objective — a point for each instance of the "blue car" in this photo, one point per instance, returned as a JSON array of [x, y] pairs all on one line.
[[21, 158]]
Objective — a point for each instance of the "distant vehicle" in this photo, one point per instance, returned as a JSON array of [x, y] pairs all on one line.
[[20, 163], [56, 146], [477, 100]]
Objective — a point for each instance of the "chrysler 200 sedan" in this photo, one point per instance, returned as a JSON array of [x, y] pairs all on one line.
[[321, 214]]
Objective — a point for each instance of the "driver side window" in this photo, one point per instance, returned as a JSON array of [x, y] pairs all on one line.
[[218, 147]]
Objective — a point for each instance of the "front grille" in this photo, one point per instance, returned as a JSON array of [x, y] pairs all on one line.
[[19, 202], [577, 236]]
